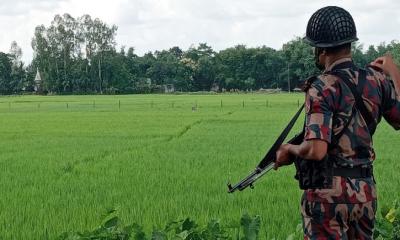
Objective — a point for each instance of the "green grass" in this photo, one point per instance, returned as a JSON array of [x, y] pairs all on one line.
[[154, 159]]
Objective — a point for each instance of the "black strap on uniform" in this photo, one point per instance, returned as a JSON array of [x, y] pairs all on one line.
[[355, 172], [367, 116]]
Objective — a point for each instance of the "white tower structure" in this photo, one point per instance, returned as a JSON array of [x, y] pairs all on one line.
[[38, 82]]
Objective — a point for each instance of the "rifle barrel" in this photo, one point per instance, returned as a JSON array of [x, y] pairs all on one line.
[[250, 179]]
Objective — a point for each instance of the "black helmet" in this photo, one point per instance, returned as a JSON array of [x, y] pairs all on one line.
[[330, 27]]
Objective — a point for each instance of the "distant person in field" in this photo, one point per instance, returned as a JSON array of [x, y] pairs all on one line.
[[339, 130]]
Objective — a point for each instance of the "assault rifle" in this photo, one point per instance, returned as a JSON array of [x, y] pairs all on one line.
[[268, 162]]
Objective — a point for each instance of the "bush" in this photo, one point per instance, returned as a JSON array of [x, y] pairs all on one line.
[[112, 228], [388, 224]]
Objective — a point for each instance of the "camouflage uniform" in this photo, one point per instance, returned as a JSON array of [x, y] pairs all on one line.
[[347, 211]]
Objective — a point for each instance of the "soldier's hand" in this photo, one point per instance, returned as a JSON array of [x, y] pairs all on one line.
[[386, 63], [283, 156]]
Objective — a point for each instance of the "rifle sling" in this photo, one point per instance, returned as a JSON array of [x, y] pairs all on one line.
[[271, 155]]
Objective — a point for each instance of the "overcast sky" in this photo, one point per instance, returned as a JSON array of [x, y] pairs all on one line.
[[150, 25]]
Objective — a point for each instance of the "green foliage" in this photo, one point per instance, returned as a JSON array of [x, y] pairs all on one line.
[[5, 73], [248, 68], [299, 62], [58, 55], [200, 68], [387, 227], [139, 234], [251, 227], [110, 229], [388, 224], [113, 229]]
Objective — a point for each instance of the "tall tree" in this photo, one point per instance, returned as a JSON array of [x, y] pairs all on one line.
[[5, 73], [103, 42], [70, 53], [299, 62], [42, 55], [17, 68], [358, 55]]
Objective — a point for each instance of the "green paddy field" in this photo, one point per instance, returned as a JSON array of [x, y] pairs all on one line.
[[65, 160]]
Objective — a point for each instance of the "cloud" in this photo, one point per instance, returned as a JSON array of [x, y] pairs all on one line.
[[15, 8], [150, 25], [222, 23]]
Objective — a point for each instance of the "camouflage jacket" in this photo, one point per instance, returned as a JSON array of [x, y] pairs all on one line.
[[329, 109]]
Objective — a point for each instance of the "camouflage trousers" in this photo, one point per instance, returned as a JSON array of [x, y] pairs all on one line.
[[338, 221]]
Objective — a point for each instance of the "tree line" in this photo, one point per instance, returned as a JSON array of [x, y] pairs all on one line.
[[79, 56]]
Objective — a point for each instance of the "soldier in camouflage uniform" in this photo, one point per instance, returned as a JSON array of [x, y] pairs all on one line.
[[335, 126]]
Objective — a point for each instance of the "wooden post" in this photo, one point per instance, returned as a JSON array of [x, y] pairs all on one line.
[[119, 104], [221, 103], [243, 104]]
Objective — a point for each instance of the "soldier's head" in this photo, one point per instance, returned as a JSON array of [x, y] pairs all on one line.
[[330, 30]]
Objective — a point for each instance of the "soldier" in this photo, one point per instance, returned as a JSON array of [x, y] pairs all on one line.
[[343, 107]]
